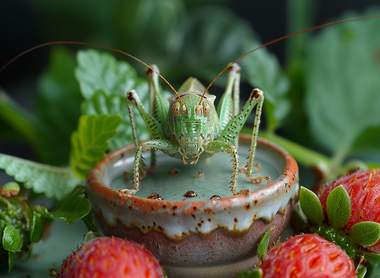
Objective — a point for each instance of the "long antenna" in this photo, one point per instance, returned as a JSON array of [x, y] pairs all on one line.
[[285, 37], [95, 45]]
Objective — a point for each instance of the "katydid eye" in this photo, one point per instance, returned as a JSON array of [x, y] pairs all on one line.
[[206, 109], [175, 109]]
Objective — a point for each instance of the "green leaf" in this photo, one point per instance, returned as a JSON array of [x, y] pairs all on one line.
[[113, 104], [72, 207], [90, 236], [263, 244], [58, 106], [37, 228], [100, 71], [338, 206], [90, 223], [11, 239], [265, 72], [54, 182], [90, 141], [256, 273], [342, 82], [11, 260], [311, 206], [18, 119], [362, 270], [372, 257], [365, 233], [208, 37]]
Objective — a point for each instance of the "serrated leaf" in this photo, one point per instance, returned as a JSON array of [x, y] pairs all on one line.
[[58, 106], [311, 206], [11, 239], [365, 233], [263, 244], [342, 84], [264, 71], [54, 182], [338, 206], [100, 71], [113, 104], [72, 207], [37, 228], [90, 141]]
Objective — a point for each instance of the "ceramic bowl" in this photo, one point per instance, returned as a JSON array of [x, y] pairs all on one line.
[[197, 236]]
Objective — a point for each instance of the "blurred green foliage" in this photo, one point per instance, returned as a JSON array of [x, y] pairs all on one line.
[[323, 101]]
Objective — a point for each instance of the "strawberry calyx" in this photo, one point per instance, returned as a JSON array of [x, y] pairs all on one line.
[[332, 224]]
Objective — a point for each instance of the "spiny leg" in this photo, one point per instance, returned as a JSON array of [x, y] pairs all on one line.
[[258, 94], [219, 146], [153, 125], [232, 129], [162, 145], [229, 103], [157, 107]]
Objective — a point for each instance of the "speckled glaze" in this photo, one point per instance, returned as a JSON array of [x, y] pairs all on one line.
[[208, 238]]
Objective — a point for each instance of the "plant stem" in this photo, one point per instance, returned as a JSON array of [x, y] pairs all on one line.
[[17, 118]]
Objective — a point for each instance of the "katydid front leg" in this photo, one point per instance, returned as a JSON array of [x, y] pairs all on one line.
[[159, 144]]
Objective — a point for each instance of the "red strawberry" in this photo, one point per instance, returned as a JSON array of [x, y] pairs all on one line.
[[106, 257], [364, 191], [307, 255]]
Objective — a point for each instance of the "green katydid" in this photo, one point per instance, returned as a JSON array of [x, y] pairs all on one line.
[[192, 128]]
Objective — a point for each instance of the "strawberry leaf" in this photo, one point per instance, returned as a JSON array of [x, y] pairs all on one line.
[[263, 244], [256, 273], [365, 233], [11, 260], [338, 206], [114, 104], [90, 141], [362, 270], [100, 71], [72, 207], [311, 206], [37, 228], [372, 257], [54, 182], [11, 239]]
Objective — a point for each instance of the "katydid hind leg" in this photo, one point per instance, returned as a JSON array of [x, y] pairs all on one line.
[[228, 105], [157, 107]]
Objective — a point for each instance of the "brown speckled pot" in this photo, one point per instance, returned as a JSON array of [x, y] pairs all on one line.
[[210, 238]]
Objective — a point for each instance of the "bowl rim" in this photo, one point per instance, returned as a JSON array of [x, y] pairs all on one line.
[[288, 178]]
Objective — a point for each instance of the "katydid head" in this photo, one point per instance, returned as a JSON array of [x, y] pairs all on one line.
[[191, 125]]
